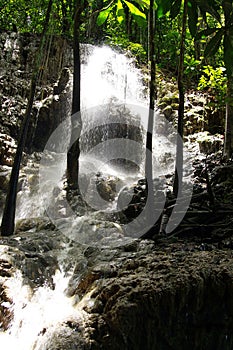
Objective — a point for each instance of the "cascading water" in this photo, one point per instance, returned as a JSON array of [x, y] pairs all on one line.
[[114, 110]]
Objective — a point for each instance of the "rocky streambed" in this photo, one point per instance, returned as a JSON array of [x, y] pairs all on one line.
[[172, 292], [140, 295]]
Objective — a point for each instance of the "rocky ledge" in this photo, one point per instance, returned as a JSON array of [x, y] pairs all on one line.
[[175, 294]]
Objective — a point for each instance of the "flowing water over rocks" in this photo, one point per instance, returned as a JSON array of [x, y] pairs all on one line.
[[83, 283], [137, 296]]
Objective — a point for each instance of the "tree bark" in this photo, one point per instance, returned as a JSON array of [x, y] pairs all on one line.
[[76, 122], [228, 144], [179, 144], [153, 96], [228, 60], [8, 219]]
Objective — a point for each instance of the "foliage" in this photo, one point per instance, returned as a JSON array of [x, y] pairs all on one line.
[[120, 7], [123, 23], [138, 51], [214, 81], [191, 67], [25, 16]]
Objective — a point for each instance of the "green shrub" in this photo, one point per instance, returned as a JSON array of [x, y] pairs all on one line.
[[214, 80]]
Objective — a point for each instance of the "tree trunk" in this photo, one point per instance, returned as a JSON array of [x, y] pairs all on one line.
[[76, 122], [153, 96], [179, 145], [228, 144], [153, 92], [8, 219], [228, 60]]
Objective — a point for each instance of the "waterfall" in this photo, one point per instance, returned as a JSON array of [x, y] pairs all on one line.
[[114, 113], [109, 80]]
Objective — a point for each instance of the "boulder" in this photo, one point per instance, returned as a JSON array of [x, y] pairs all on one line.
[[7, 149], [209, 143]]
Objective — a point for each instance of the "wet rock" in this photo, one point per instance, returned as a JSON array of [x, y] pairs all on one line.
[[131, 296], [34, 255], [107, 186], [90, 231], [7, 150], [132, 200], [114, 121], [62, 82], [6, 271], [4, 177], [221, 174], [68, 335], [209, 143], [33, 224]]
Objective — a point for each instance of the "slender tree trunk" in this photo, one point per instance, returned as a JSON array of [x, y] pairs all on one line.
[[65, 22], [153, 96], [8, 219], [179, 145], [76, 122], [153, 91], [228, 60], [228, 144]]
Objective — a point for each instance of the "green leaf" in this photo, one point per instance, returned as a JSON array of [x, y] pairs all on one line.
[[163, 7], [143, 3], [210, 6], [103, 15], [214, 43], [192, 17], [175, 9], [120, 12], [206, 32], [134, 10]]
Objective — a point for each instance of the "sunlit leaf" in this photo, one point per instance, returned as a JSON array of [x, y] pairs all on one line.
[[134, 10], [143, 3], [120, 12], [103, 15]]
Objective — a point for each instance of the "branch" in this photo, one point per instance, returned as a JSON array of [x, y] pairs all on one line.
[[103, 9]]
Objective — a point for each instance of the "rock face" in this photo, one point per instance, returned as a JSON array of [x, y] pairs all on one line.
[[198, 115], [165, 302], [7, 149], [17, 54], [52, 111], [111, 122], [208, 143], [139, 295]]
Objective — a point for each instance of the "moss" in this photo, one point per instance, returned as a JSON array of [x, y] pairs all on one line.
[[175, 106]]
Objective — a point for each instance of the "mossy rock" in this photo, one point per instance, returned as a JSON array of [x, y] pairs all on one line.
[[175, 106], [167, 111], [170, 98]]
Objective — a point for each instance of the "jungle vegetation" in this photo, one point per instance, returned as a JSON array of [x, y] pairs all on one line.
[[190, 40]]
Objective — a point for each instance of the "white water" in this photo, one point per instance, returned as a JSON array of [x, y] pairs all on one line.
[[108, 76], [38, 312], [108, 79]]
